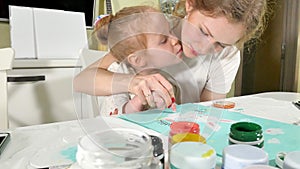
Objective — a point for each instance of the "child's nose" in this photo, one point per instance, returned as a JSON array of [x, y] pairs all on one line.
[[174, 41]]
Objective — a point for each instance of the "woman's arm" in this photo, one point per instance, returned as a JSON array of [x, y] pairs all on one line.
[[97, 80], [207, 95]]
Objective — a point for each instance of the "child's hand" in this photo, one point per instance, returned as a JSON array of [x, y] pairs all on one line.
[[144, 85], [133, 105]]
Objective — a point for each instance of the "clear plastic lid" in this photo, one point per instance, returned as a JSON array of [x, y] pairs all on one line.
[[115, 148]]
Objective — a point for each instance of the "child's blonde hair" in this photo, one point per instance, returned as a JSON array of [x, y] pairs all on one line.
[[253, 14], [124, 32]]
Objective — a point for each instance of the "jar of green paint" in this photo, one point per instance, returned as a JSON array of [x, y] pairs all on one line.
[[246, 133]]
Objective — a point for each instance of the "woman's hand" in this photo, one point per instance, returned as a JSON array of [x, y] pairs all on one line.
[[144, 85], [159, 101]]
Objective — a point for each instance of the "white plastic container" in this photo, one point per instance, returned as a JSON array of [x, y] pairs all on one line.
[[260, 167], [192, 155], [239, 156], [292, 160]]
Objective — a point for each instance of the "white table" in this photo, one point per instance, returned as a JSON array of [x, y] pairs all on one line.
[[284, 96], [270, 105], [35, 145], [29, 143]]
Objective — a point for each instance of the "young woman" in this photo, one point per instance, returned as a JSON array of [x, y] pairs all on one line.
[[135, 47], [211, 32]]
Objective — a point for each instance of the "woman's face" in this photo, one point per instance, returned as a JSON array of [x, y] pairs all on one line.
[[205, 35]]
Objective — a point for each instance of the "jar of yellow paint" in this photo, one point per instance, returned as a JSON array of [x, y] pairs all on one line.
[[183, 130], [183, 137]]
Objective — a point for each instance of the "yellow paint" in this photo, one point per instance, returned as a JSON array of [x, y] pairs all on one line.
[[208, 153], [182, 137]]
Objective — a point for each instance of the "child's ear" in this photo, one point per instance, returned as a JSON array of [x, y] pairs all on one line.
[[189, 6], [136, 60]]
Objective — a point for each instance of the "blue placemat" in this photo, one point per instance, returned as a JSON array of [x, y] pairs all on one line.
[[278, 136]]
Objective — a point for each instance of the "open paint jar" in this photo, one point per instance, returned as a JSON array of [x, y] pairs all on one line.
[[184, 127], [192, 155], [246, 133], [183, 137], [116, 149], [184, 131]]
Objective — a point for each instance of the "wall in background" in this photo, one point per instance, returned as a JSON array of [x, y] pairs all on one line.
[[5, 31], [298, 56], [268, 55], [266, 67], [298, 60], [5, 37]]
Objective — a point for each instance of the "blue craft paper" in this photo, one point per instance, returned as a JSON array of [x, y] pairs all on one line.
[[70, 153], [286, 137]]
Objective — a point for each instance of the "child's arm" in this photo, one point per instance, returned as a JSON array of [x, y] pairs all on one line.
[[113, 104], [97, 80]]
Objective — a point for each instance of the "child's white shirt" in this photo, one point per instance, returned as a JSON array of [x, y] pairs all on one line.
[[108, 104]]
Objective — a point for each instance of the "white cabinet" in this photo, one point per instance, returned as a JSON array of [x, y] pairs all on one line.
[[41, 92]]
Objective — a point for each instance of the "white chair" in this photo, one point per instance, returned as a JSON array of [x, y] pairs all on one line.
[[87, 57], [6, 60]]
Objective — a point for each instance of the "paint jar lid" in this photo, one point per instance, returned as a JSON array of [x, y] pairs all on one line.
[[260, 167], [223, 104], [192, 155], [292, 160], [246, 131], [237, 156], [184, 127]]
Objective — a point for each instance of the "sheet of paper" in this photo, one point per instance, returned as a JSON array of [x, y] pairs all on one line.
[[59, 34], [22, 32]]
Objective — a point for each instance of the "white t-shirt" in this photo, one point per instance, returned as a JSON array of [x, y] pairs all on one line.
[[212, 72]]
